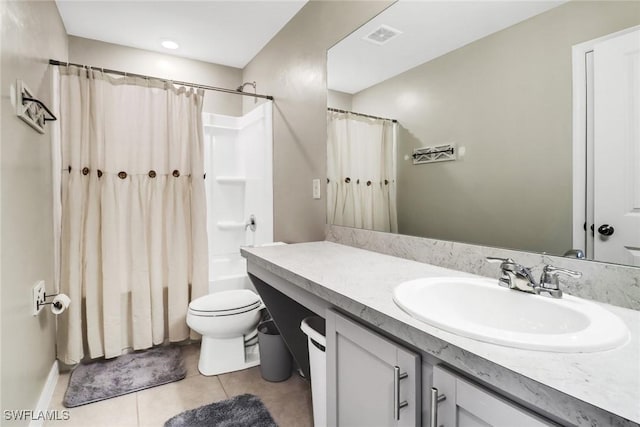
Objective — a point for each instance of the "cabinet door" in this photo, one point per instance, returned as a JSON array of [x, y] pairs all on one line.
[[366, 381], [468, 405]]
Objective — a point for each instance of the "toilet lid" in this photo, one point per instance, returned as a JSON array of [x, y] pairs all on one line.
[[225, 300]]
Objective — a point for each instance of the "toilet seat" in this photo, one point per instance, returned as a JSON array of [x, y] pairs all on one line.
[[225, 303]]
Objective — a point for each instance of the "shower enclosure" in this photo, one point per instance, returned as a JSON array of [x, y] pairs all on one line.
[[238, 165]]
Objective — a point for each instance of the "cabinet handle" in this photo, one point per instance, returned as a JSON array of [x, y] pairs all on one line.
[[397, 405], [435, 399]]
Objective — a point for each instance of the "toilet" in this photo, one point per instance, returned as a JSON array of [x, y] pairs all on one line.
[[227, 321]]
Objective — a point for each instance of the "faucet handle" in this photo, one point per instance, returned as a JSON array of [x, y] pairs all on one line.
[[496, 260], [557, 270], [549, 279]]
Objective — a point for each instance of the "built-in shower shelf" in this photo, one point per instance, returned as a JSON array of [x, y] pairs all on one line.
[[230, 225], [222, 179]]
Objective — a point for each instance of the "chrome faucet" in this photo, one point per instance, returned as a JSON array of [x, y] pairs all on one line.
[[514, 275], [518, 277]]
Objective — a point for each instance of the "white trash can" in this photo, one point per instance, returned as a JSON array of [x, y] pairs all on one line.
[[314, 328]]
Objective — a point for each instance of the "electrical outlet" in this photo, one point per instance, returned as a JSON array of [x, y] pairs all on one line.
[[38, 297], [316, 188]]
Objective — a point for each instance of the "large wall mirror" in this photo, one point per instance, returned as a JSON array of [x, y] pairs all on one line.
[[512, 124]]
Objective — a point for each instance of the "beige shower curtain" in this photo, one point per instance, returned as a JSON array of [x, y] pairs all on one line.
[[133, 238], [361, 169]]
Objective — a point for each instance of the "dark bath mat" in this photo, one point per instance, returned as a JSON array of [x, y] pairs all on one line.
[[245, 410], [125, 374]]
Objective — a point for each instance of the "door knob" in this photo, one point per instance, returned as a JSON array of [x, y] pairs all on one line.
[[606, 230]]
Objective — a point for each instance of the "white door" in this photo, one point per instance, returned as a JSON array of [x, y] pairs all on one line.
[[617, 149]]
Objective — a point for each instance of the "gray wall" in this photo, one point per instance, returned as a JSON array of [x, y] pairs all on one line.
[[340, 100], [292, 68], [32, 32], [132, 60], [507, 98]]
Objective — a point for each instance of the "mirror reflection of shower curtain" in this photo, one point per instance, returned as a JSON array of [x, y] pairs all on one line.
[[361, 168], [133, 223]]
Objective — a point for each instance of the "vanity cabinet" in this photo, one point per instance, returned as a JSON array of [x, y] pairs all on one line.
[[465, 404], [371, 381], [367, 338]]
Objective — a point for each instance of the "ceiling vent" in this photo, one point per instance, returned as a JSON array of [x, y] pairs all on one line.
[[382, 35]]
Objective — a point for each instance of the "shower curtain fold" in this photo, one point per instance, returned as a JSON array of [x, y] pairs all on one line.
[[133, 238]]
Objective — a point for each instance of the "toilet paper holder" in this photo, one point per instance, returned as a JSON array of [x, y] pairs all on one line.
[[56, 304]]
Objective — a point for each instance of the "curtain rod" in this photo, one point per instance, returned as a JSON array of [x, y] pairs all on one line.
[[337, 110], [194, 85]]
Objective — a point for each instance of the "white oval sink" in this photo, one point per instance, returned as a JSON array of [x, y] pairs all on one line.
[[481, 309]]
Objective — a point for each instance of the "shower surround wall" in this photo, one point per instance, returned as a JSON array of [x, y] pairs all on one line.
[[238, 163], [31, 33]]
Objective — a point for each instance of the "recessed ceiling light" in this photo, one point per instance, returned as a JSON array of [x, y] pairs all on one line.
[[170, 44]]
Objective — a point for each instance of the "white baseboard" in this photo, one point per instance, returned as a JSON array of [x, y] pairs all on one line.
[[47, 393]]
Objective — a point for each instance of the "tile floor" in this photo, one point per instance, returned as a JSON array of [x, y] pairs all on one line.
[[289, 402]]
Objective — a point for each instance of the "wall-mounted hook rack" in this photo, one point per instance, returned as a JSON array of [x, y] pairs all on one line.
[[30, 109]]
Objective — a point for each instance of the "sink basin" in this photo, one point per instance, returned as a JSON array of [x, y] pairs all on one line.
[[481, 309]]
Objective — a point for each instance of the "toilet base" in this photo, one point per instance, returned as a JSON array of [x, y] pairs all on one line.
[[219, 356]]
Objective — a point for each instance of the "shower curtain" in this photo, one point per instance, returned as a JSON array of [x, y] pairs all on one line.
[[361, 171], [133, 232]]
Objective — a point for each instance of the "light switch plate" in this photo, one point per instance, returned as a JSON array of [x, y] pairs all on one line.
[[316, 188]]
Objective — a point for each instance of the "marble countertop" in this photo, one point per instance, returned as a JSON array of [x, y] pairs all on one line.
[[361, 282]]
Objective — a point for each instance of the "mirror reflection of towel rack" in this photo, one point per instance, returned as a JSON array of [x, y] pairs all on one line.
[[439, 153]]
